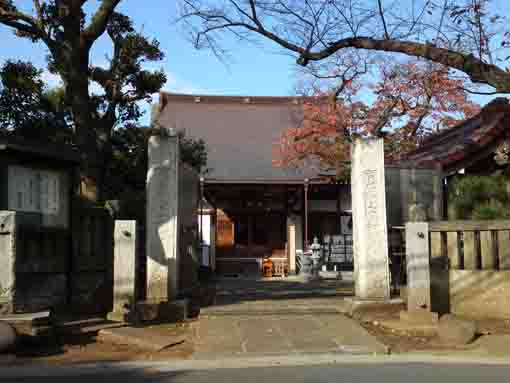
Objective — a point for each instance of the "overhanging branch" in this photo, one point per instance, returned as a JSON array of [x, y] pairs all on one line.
[[99, 21]]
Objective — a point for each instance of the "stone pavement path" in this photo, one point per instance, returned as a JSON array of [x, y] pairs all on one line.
[[257, 335], [275, 317]]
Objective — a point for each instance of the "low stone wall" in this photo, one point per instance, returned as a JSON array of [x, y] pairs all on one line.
[[480, 294]]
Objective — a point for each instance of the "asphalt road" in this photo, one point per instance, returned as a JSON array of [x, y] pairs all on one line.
[[380, 373]]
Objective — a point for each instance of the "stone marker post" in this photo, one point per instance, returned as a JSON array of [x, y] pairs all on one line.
[[7, 259], [162, 217], [370, 233], [124, 269], [418, 266]]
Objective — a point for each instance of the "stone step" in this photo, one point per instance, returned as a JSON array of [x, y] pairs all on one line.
[[88, 326]]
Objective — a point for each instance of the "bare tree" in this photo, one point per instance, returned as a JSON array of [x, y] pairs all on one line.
[[467, 35]]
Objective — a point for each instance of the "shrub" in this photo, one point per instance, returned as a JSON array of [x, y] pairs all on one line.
[[480, 197]]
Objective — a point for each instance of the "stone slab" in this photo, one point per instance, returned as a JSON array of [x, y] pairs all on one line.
[[409, 327], [41, 317], [455, 330], [419, 316], [273, 334], [140, 337], [88, 326], [263, 336], [353, 304], [329, 274], [30, 324], [370, 233]]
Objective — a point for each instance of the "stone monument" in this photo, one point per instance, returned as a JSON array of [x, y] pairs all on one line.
[[371, 268], [162, 217]]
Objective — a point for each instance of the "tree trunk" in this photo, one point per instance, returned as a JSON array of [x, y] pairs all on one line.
[[91, 163], [73, 55]]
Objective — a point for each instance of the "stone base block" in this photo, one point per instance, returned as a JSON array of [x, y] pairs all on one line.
[[121, 312], [32, 325], [455, 330], [329, 274], [419, 317], [140, 338], [169, 312], [421, 329], [7, 336], [355, 304]]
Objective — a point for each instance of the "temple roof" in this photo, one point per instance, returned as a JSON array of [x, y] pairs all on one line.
[[239, 132], [458, 147]]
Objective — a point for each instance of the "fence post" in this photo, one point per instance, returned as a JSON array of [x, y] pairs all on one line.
[[418, 266]]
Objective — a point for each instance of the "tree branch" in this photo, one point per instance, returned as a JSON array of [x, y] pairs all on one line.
[[476, 69], [99, 21], [381, 13], [20, 21]]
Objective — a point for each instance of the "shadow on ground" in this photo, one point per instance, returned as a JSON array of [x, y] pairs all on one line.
[[231, 291]]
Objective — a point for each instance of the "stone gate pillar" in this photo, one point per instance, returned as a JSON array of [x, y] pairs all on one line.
[[162, 217], [370, 233]]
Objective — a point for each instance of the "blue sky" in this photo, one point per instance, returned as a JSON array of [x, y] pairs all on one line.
[[251, 70]]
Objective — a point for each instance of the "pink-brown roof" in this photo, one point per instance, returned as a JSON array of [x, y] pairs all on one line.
[[239, 132], [453, 148]]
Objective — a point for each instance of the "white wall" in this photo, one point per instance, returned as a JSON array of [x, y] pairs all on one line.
[[205, 226]]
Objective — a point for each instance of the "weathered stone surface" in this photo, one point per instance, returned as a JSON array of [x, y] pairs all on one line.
[[124, 278], [30, 325], [418, 266], [425, 329], [480, 294], [7, 256], [92, 292], [7, 336], [39, 291], [493, 345], [455, 330], [174, 311], [141, 338], [162, 218], [419, 316], [369, 220]]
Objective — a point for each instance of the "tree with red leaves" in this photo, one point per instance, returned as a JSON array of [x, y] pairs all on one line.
[[409, 102]]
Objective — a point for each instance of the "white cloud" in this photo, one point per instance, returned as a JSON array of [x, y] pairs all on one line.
[[177, 85], [51, 80]]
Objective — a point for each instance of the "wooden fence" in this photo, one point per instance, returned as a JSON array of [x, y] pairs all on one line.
[[472, 245], [65, 269], [459, 266]]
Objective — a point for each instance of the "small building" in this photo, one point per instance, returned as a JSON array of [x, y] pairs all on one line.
[[52, 257], [37, 182]]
